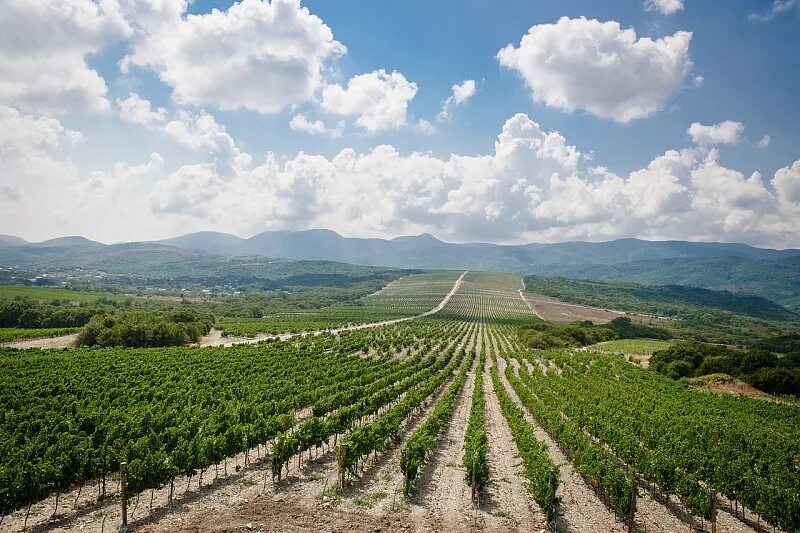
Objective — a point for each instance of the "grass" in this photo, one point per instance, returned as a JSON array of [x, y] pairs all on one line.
[[708, 379], [55, 293], [632, 346], [370, 499], [15, 334]]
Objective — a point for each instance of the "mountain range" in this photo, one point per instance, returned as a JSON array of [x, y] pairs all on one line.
[[774, 274]]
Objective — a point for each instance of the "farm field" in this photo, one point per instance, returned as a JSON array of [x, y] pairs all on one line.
[[442, 421]]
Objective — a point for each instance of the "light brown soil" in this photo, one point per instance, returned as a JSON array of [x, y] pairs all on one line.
[[556, 311], [737, 388], [63, 341], [507, 502]]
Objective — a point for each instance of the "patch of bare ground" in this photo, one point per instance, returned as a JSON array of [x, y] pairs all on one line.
[[442, 499], [63, 341], [735, 387], [506, 503], [285, 514], [556, 311]]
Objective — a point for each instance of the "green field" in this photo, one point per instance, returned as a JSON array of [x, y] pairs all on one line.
[[56, 293], [632, 346]]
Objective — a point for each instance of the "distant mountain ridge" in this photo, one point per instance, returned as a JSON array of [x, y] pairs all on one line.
[[774, 274], [426, 251]]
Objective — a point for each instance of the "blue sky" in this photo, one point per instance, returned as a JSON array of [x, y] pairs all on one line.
[[747, 54]]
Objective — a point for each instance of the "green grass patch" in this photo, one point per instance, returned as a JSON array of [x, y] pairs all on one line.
[[370, 499], [55, 293], [633, 346], [709, 379]]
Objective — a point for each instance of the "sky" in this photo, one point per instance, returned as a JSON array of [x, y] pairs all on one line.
[[508, 122]]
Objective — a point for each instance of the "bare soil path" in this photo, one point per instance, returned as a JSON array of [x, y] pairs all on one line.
[[507, 505], [442, 499]]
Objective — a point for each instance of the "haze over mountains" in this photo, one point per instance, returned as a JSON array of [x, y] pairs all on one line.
[[774, 274]]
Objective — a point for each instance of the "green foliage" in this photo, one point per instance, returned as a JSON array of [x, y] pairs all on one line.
[[543, 335], [144, 329], [68, 416], [684, 441], [762, 369], [375, 436], [476, 443], [698, 314]]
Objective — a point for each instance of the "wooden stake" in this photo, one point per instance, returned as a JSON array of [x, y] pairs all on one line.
[[634, 494], [123, 492]]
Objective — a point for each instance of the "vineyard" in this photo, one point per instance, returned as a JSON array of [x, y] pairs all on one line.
[[441, 421]]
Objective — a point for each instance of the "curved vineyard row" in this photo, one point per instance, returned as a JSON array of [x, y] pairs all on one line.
[[70, 416], [689, 444]]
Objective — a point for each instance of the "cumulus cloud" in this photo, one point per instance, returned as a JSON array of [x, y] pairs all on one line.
[[257, 55], [43, 49], [378, 99], [425, 127], [665, 7], [534, 186], [139, 110], [315, 127], [461, 93], [727, 132], [32, 148], [599, 67], [764, 141], [110, 186], [787, 185], [778, 7]]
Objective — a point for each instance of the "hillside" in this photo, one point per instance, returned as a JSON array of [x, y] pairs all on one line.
[[772, 274]]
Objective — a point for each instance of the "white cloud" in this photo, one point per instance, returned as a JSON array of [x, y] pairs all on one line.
[[727, 132], [379, 100], [43, 49], [665, 7], [698, 81], [764, 141], [112, 186], [778, 7], [316, 127], [599, 67], [461, 93], [201, 132], [787, 185], [425, 127], [32, 148], [257, 55], [534, 186], [139, 110]]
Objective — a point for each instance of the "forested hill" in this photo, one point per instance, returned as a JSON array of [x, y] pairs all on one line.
[[159, 265], [772, 274]]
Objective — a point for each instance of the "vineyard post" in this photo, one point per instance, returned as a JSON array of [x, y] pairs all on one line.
[[634, 493], [714, 513], [123, 494]]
